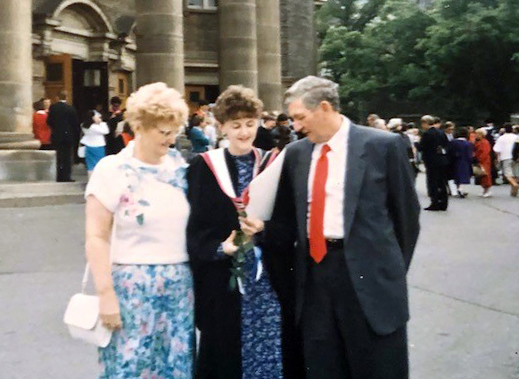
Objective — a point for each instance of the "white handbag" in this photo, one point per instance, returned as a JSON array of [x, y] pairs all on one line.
[[81, 151], [82, 317]]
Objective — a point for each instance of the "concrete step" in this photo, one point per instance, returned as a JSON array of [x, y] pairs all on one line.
[[17, 195], [40, 187]]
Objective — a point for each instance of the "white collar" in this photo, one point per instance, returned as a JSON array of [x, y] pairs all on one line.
[[336, 143]]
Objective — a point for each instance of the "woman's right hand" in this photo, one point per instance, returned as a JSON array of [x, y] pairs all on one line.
[[109, 310], [229, 248]]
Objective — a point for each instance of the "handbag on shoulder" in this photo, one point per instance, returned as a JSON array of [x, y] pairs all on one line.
[[82, 317]]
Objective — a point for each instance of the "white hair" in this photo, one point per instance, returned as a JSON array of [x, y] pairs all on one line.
[[313, 91], [482, 131], [394, 123]]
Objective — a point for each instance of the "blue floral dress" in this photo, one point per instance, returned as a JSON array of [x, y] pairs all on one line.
[[157, 340], [260, 309]]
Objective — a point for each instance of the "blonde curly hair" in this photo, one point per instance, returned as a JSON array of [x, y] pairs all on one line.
[[154, 103], [237, 102]]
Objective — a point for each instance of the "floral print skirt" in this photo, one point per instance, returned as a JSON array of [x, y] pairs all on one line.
[[157, 339], [261, 326]]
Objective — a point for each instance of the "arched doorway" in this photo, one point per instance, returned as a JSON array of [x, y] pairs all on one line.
[[79, 56]]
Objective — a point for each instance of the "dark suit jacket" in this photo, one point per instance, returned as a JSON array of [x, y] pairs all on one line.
[[431, 143], [264, 139], [381, 222], [64, 123]]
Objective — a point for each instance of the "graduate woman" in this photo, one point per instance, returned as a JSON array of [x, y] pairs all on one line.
[[238, 313]]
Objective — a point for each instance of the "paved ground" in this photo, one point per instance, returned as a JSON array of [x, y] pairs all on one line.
[[464, 292]]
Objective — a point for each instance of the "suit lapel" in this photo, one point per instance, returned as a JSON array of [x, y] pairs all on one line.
[[355, 168], [302, 173]]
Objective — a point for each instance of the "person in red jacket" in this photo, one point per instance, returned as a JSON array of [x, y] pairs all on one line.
[[40, 128], [484, 159]]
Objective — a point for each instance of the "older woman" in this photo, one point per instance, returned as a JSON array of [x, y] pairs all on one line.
[[239, 315], [462, 153], [136, 216], [482, 153]]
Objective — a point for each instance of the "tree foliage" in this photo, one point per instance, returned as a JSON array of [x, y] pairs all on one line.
[[459, 60]]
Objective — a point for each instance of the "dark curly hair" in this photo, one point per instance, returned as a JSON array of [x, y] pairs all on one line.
[[237, 102]]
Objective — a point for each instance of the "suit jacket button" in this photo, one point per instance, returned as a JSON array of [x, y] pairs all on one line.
[[362, 276]]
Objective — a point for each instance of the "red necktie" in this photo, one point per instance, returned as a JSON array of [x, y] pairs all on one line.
[[317, 241]]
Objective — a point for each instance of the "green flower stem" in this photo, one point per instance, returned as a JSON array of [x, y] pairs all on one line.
[[238, 259]]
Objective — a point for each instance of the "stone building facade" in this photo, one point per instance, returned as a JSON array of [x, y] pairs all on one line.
[[89, 47], [96, 49]]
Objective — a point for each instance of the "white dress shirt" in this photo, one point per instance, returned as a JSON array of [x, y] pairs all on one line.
[[210, 133], [334, 202]]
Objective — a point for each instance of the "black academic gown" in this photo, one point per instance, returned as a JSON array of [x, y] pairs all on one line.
[[217, 308]]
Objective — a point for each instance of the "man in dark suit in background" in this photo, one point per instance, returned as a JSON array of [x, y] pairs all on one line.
[[434, 148], [346, 199], [64, 122], [264, 138]]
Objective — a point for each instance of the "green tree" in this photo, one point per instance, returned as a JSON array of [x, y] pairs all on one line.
[[380, 68], [354, 15], [459, 60], [472, 59]]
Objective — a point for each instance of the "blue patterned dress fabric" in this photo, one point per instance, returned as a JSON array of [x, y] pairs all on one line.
[[260, 311], [158, 340]]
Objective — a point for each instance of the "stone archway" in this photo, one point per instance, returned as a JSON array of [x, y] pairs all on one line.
[[83, 14], [74, 33]]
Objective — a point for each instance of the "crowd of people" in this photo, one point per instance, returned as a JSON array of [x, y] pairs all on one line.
[[457, 156], [201, 132], [79, 138]]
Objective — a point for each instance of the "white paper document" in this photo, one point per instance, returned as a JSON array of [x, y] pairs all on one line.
[[263, 190]]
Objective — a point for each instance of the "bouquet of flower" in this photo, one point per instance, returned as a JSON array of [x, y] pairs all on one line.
[[244, 245]]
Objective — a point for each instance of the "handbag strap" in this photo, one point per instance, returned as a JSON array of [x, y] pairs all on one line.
[[85, 278]]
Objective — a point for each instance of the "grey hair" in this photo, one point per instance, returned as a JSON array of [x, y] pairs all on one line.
[[313, 91]]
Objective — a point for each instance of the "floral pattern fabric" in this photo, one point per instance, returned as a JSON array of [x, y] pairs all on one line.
[[133, 201], [245, 167], [157, 339], [261, 326], [260, 309]]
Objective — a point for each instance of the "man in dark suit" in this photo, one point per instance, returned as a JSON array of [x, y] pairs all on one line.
[[434, 148], [346, 200], [63, 121], [264, 138]]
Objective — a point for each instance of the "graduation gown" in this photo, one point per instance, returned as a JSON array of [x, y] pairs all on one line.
[[217, 308]]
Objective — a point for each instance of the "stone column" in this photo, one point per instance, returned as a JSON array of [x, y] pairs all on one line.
[[299, 40], [160, 42], [238, 43], [15, 68], [269, 54], [19, 158]]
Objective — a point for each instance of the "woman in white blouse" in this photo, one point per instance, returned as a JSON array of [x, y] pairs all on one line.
[[94, 131], [136, 216]]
